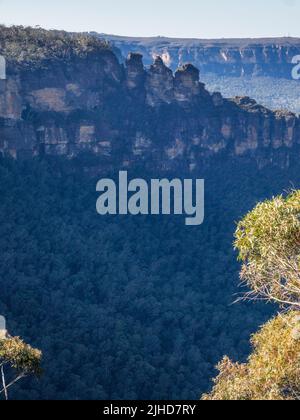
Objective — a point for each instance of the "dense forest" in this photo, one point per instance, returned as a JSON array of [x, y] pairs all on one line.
[[125, 307]]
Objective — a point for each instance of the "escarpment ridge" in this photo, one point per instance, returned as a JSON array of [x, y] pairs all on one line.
[[68, 94]]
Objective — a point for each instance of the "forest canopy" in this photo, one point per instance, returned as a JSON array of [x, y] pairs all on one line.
[[30, 46], [123, 307]]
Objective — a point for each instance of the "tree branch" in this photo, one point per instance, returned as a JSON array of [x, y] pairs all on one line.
[[21, 376], [4, 384]]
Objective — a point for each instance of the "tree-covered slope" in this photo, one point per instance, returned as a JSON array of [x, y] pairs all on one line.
[[124, 307]]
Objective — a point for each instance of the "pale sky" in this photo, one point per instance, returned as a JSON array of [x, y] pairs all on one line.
[[175, 18]]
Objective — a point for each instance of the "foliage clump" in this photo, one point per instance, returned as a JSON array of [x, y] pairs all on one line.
[[17, 357], [20, 356], [268, 240], [273, 369], [31, 46]]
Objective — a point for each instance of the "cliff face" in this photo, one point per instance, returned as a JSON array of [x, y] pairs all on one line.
[[125, 115], [232, 57]]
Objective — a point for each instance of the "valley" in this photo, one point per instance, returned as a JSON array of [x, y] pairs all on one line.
[[126, 307]]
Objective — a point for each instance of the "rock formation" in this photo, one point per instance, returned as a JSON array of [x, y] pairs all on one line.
[[125, 115]]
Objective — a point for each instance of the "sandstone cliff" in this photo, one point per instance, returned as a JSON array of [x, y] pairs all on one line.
[[78, 99], [227, 57]]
